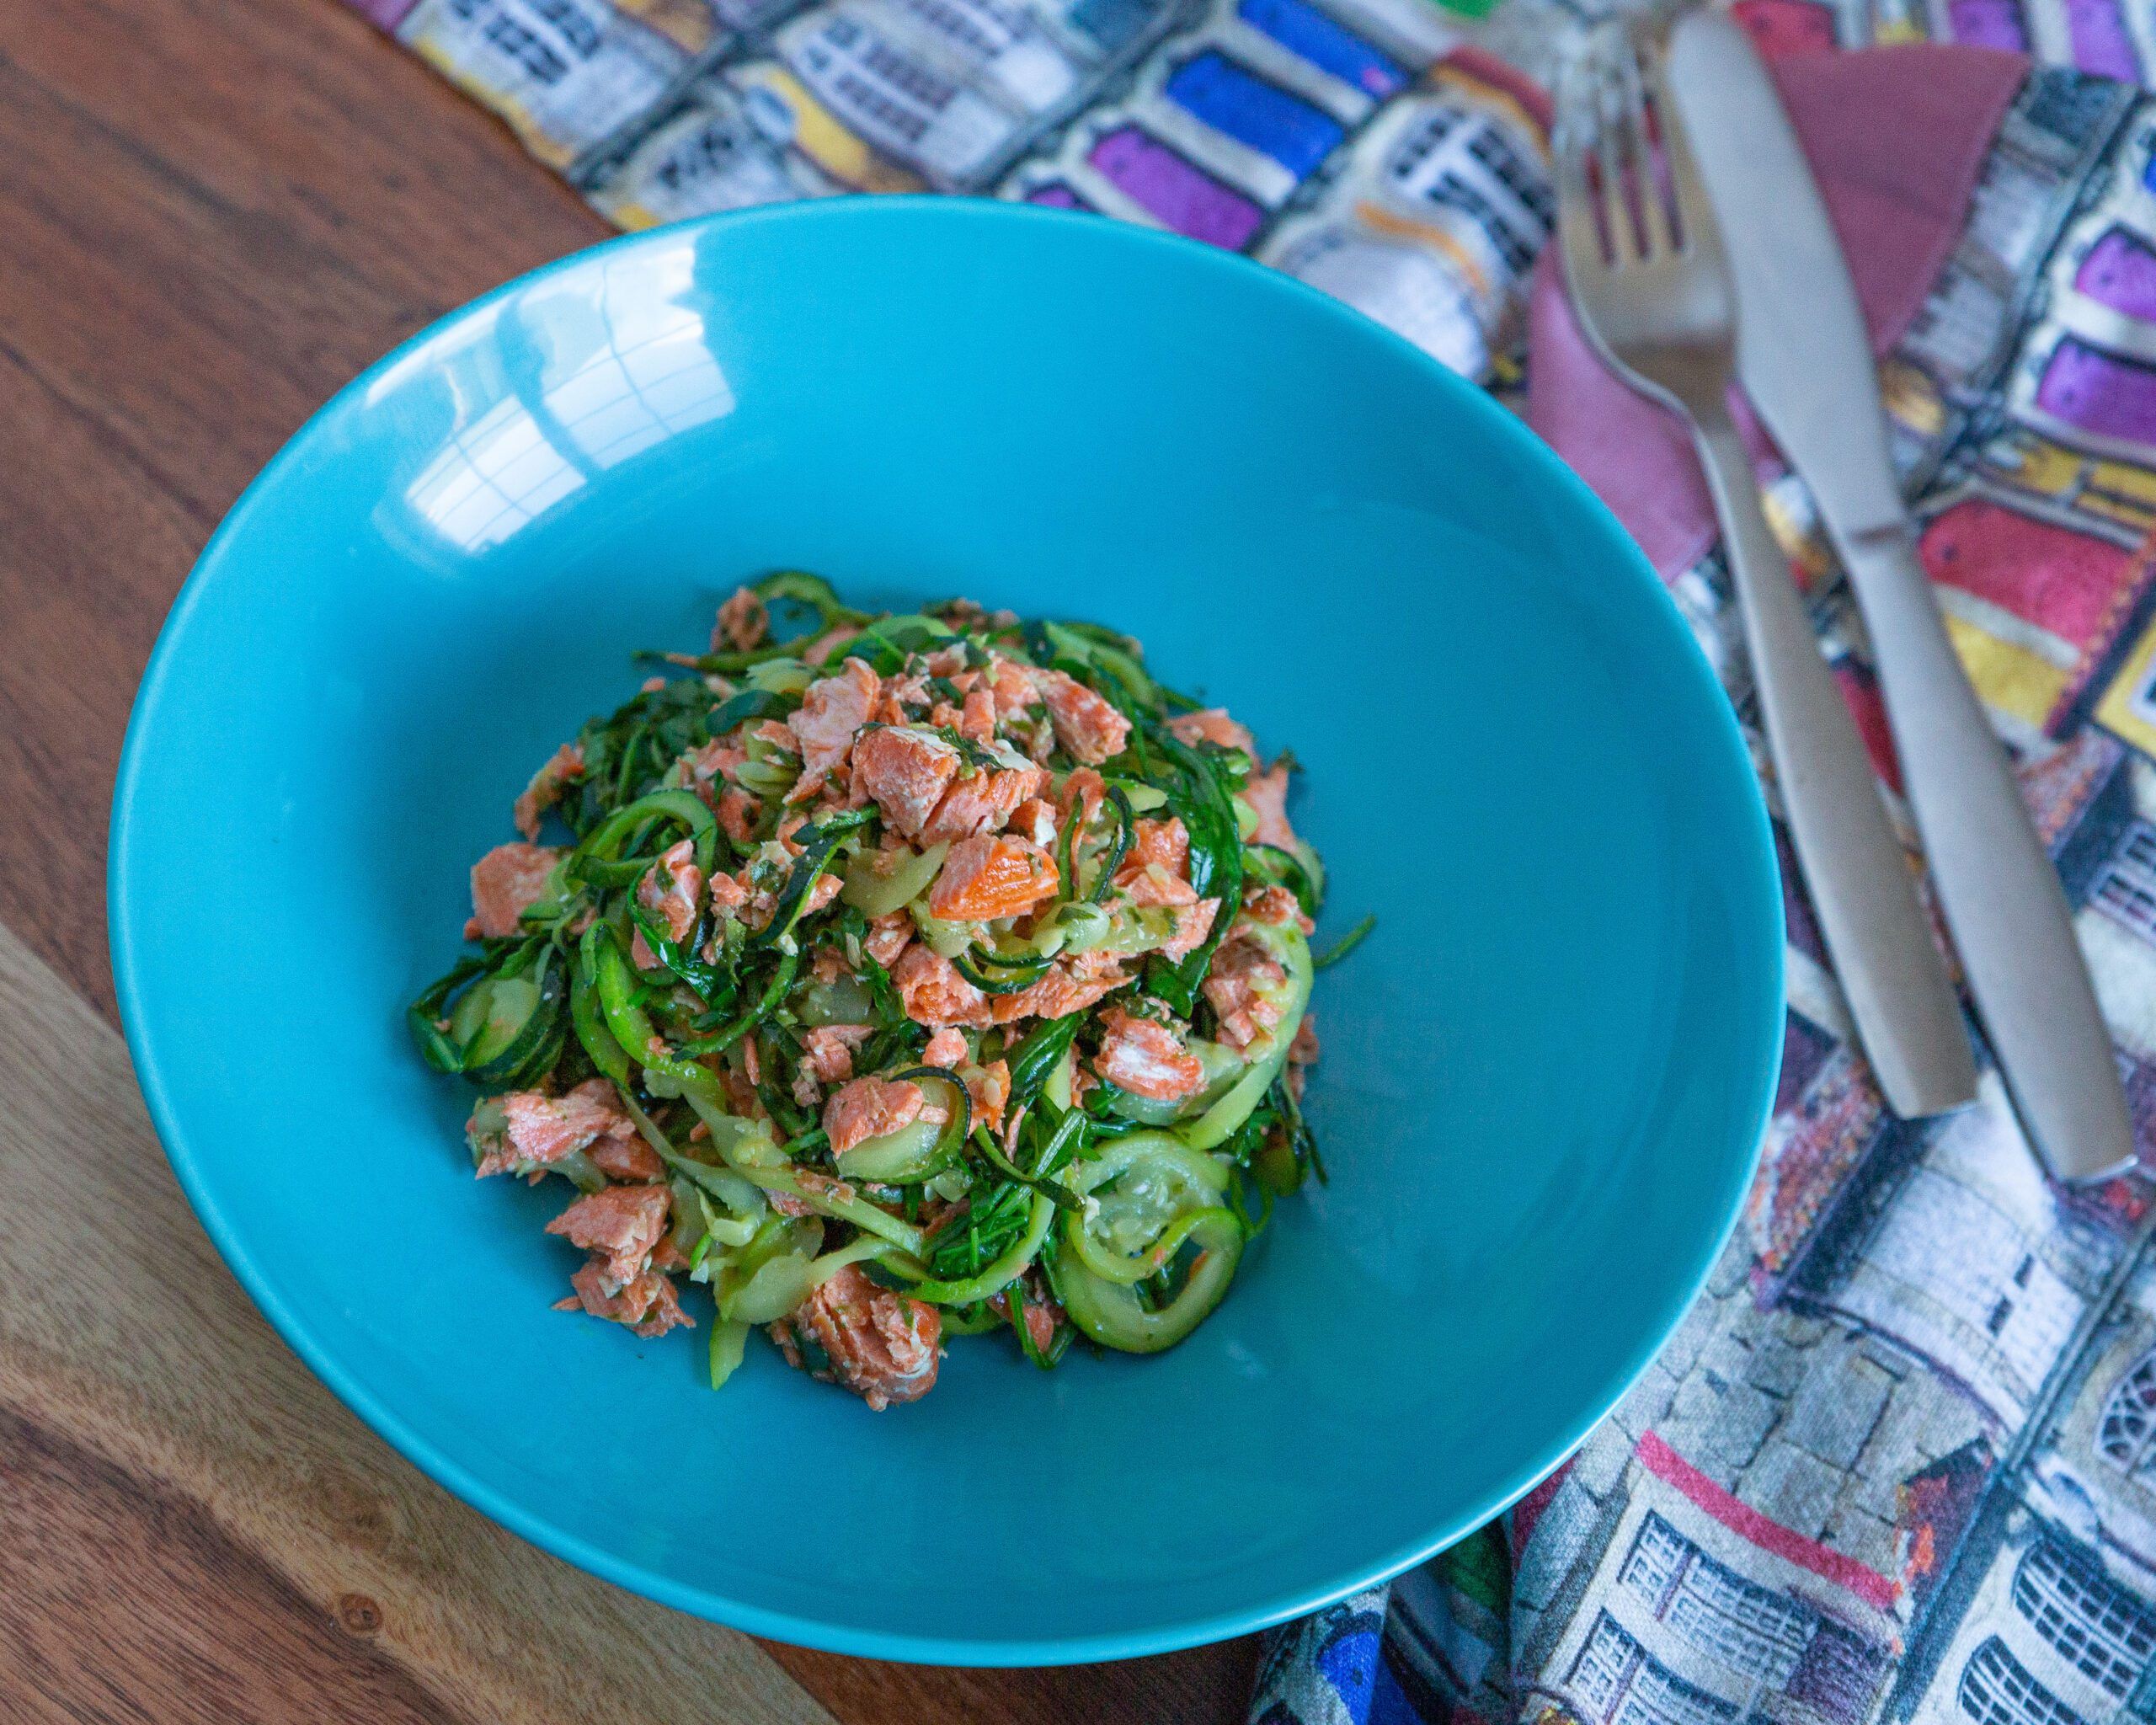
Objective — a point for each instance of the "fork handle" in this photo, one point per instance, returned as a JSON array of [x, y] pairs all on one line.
[[2001, 894], [1861, 889]]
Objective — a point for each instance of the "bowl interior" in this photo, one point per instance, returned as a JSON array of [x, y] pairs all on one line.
[[1544, 1074]]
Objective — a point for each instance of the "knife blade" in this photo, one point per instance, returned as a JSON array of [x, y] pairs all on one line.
[[1804, 357]]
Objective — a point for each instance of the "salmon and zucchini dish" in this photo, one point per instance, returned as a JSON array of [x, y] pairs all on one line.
[[908, 978]]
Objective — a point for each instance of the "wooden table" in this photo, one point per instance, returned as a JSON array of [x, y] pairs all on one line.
[[211, 217]]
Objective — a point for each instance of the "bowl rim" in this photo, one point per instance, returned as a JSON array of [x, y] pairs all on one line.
[[1753, 863]]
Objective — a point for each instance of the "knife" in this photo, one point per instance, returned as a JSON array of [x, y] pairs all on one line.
[[1805, 359]]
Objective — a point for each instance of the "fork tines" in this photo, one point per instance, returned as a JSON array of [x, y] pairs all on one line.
[[1621, 167]]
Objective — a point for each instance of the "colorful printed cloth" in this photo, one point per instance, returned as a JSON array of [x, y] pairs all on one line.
[[1899, 1461], [1350, 144]]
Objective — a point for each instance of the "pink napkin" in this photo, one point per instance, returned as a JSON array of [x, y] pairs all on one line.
[[1896, 137]]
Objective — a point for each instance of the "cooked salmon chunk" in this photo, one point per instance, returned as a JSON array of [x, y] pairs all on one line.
[[1087, 726], [934, 994], [1147, 1059], [1243, 975], [1277, 905], [1162, 843], [505, 882], [977, 717], [618, 1225], [990, 1088], [869, 1108], [832, 711], [983, 802], [1193, 922], [671, 889], [984, 879], [905, 769], [744, 621], [1081, 797], [1034, 819], [1156, 869], [527, 1129], [737, 814], [1012, 684], [1212, 725], [562, 768], [1072, 986], [880, 1345], [624, 1155], [1267, 793], [647, 1305], [888, 936], [829, 1049]]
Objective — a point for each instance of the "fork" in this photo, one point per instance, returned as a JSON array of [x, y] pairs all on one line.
[[1644, 263]]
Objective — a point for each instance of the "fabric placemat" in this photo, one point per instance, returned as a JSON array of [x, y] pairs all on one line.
[[1900, 1460]]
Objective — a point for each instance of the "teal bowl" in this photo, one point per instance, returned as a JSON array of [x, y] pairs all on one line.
[[1545, 1075]]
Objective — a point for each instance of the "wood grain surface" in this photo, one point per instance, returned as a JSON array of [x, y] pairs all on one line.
[[200, 1504], [211, 217]]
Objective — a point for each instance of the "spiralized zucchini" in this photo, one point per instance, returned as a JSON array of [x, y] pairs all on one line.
[[897, 978]]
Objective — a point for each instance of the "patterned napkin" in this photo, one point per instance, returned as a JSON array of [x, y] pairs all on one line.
[[1899, 1462]]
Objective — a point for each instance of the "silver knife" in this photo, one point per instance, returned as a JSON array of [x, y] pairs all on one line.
[[1805, 359]]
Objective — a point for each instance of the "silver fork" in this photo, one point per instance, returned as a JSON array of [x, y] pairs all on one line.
[[1653, 291]]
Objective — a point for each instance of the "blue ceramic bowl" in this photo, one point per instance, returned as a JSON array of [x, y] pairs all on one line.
[[1545, 1075]]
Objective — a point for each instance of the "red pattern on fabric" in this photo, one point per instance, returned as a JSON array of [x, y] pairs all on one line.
[[1748, 1524]]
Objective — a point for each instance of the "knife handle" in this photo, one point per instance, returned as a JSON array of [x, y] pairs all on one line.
[[1858, 877], [1997, 886]]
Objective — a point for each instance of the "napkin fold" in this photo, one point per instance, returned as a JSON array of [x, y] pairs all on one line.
[[1898, 196]]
